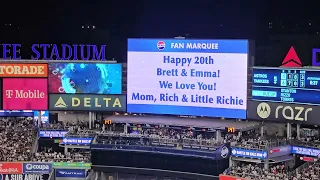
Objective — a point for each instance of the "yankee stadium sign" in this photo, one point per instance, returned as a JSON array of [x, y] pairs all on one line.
[[54, 52]]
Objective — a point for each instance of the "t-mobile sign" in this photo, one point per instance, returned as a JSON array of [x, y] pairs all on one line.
[[25, 93]]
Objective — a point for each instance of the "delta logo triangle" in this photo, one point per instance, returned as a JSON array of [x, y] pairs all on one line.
[[291, 59], [60, 103]]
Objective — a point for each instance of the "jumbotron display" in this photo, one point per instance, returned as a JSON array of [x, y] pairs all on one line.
[[188, 77], [87, 78], [286, 85]]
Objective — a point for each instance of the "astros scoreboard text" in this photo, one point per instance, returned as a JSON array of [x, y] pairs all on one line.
[[191, 77], [286, 85]]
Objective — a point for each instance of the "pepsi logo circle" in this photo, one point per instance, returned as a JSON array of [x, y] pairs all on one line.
[[161, 45]]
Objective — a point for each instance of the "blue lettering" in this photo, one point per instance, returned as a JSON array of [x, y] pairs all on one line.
[[44, 47], [142, 97], [55, 52], [99, 55], [177, 61], [229, 100], [196, 73], [171, 98], [203, 86], [6, 50], [82, 52], [16, 51], [171, 72], [201, 99], [165, 84], [184, 86], [64, 52], [34, 50], [75, 51]]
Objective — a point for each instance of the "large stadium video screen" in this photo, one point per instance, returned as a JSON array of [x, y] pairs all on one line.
[[188, 77]]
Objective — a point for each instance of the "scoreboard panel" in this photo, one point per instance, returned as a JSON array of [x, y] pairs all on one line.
[[286, 85]]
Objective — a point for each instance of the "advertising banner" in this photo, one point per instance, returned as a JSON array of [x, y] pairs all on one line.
[[188, 77], [225, 177], [37, 168], [279, 151], [16, 113], [87, 102], [65, 165], [315, 57], [86, 78], [246, 153], [10, 168], [281, 112], [23, 70], [25, 93], [52, 133], [70, 173], [44, 116], [76, 141], [24, 176], [305, 151]]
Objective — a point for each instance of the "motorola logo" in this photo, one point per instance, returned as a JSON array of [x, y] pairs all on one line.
[[263, 110]]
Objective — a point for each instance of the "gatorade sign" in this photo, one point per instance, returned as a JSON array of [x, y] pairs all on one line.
[[24, 70]]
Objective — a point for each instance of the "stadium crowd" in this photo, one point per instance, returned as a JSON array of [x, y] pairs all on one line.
[[18, 143], [20, 134], [49, 155], [256, 172], [17, 139]]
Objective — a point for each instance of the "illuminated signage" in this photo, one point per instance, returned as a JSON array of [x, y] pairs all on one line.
[[87, 102], [305, 151], [52, 133], [230, 130], [291, 59], [283, 112], [247, 153], [76, 141], [286, 85], [23, 70], [55, 52], [107, 121], [25, 93], [315, 57], [188, 77], [58, 165], [100, 78]]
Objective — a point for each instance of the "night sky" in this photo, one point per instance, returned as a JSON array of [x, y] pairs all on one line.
[[111, 22]]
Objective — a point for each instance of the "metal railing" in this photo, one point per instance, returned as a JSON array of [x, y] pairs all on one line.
[[303, 166], [263, 145], [147, 174]]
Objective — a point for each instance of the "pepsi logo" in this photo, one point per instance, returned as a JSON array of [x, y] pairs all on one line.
[[161, 45]]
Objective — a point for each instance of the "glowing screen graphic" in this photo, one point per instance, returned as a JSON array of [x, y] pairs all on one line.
[[88, 78]]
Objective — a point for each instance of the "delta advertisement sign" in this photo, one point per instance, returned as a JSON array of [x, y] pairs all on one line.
[[25, 93], [292, 59]]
